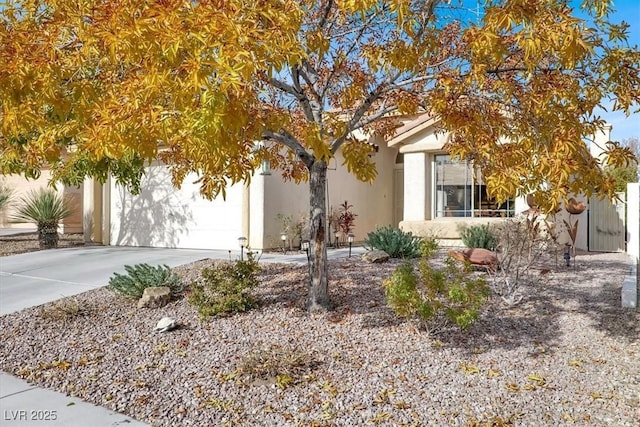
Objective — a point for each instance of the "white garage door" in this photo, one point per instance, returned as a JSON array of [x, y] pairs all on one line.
[[163, 216]]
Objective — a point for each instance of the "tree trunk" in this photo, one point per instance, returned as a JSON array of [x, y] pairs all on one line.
[[318, 283]]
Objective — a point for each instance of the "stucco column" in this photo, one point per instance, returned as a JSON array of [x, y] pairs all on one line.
[[415, 191], [106, 212], [255, 211], [599, 143]]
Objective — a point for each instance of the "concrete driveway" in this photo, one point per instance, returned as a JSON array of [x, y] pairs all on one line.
[[35, 278]]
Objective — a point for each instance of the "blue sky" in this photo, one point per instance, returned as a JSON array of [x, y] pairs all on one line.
[[626, 127], [624, 10]]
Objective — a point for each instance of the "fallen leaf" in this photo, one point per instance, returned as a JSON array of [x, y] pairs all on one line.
[[469, 369]]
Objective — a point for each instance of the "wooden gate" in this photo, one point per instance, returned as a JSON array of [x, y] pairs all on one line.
[[606, 224]]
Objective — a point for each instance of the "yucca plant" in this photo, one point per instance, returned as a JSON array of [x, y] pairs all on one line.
[[46, 209]]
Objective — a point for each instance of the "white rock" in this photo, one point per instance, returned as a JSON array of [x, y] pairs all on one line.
[[166, 324]]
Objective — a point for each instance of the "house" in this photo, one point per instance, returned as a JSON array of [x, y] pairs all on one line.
[[418, 188], [440, 195], [162, 216]]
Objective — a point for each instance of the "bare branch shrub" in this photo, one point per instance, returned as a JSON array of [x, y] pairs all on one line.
[[521, 242]]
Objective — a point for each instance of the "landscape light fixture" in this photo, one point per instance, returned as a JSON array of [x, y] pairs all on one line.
[[242, 241], [283, 238], [350, 237], [304, 245]]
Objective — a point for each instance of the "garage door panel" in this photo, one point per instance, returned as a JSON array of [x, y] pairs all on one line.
[[162, 216]]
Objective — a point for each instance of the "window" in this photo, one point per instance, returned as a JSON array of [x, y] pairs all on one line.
[[461, 192]]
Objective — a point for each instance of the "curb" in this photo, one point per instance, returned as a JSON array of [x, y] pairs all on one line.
[[629, 294]]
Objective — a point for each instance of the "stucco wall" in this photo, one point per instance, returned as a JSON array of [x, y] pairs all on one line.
[[21, 186], [633, 220], [373, 203]]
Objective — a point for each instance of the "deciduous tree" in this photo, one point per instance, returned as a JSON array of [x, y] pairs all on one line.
[[93, 87]]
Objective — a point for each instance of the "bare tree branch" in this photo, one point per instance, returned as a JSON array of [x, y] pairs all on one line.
[[289, 141]]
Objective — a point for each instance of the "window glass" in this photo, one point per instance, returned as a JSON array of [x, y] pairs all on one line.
[[461, 192]]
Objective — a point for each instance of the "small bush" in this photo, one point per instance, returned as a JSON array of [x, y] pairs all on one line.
[[286, 366], [224, 288], [142, 276], [395, 242], [346, 218], [63, 310], [436, 297], [479, 236], [521, 242]]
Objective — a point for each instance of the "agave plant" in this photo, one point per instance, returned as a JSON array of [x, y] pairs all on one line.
[[46, 208]]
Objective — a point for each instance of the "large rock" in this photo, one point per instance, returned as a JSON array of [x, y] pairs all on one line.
[[375, 256], [476, 256], [154, 297]]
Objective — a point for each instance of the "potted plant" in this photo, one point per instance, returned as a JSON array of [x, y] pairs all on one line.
[[46, 209]]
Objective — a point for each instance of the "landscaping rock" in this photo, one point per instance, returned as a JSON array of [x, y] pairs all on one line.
[[155, 297], [476, 256], [375, 256], [166, 324]]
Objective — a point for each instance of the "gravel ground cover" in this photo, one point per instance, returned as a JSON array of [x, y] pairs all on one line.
[[28, 242], [566, 355]]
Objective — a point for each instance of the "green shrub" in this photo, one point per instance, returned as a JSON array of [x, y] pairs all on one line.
[[395, 242], [224, 288], [479, 236], [436, 297], [142, 276], [46, 209]]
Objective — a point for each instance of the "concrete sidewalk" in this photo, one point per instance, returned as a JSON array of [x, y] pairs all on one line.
[[35, 278]]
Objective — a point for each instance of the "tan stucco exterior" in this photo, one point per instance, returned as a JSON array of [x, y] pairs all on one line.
[[372, 202], [22, 186]]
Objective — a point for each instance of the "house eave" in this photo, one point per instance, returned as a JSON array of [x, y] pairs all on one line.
[[403, 135]]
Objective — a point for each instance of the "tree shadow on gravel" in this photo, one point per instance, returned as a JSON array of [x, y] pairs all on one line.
[[355, 289], [592, 290], [598, 298]]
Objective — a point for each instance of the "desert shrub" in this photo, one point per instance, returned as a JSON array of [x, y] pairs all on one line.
[[436, 297], [395, 242], [142, 276], [478, 236], [225, 288], [521, 242], [46, 209], [63, 310], [286, 366]]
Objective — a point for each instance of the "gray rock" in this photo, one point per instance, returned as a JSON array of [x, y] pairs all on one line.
[[154, 297], [166, 324], [375, 256]]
